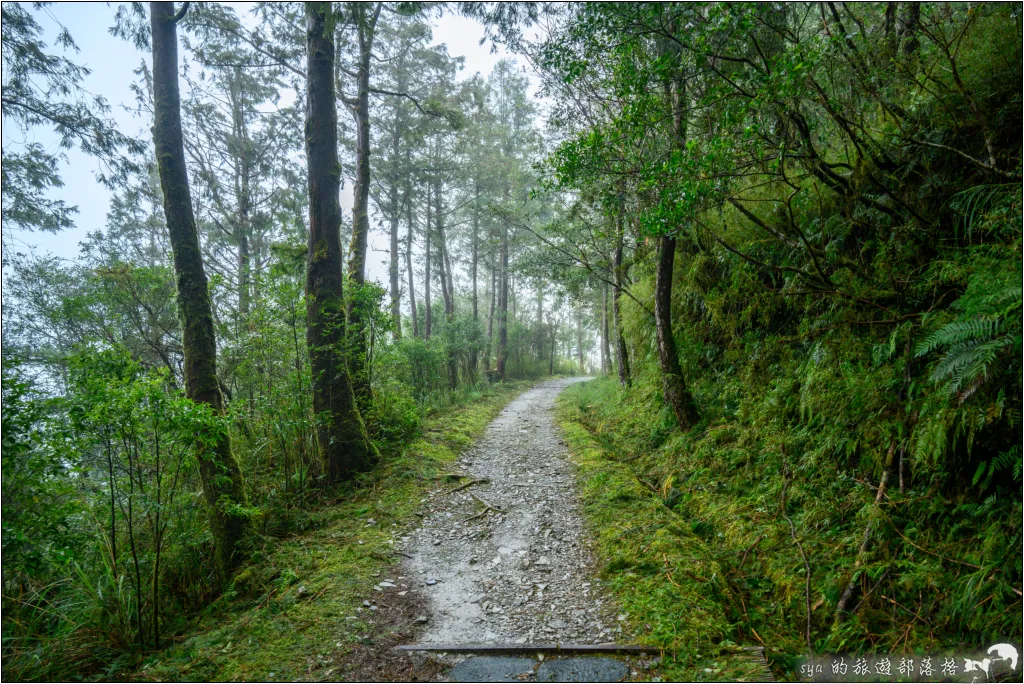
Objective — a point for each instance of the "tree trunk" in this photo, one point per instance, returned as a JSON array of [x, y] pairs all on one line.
[[551, 359], [396, 293], [605, 343], [490, 313], [676, 393], [621, 352], [223, 486], [426, 272], [911, 25], [447, 286], [579, 341], [473, 361], [340, 431], [397, 131], [243, 196], [503, 304], [365, 27], [408, 263]]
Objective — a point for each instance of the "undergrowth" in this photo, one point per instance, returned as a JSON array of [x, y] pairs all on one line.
[[289, 614], [693, 537]]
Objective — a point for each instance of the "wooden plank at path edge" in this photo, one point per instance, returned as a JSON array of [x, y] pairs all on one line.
[[528, 648]]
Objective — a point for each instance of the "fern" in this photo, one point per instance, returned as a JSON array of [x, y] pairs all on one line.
[[1008, 460], [986, 331]]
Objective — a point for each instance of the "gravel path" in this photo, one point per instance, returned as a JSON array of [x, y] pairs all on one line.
[[520, 572]]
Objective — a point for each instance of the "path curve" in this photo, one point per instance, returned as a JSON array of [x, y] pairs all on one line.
[[523, 575]]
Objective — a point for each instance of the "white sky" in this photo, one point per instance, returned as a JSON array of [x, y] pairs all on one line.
[[113, 61]]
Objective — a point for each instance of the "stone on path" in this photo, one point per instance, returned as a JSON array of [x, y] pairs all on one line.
[[492, 669], [582, 670]]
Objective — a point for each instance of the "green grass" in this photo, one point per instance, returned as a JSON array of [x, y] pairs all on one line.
[[692, 536], [285, 617], [659, 570]]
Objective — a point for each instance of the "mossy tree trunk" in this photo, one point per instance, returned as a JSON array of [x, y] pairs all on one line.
[[414, 316], [427, 318], [677, 395], [447, 283], [345, 447], [365, 29], [619, 269], [502, 303], [475, 256], [223, 486]]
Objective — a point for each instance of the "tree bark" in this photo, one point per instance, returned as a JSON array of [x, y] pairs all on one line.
[[579, 340], [426, 272], [243, 195], [447, 286], [341, 434], [223, 486], [621, 352], [676, 393], [397, 130], [408, 264], [503, 304], [554, 342], [365, 28], [490, 313], [473, 360], [606, 352]]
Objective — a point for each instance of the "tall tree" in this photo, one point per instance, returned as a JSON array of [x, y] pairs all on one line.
[[364, 17], [341, 434], [223, 486], [619, 274]]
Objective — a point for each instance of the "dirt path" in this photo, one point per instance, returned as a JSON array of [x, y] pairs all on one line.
[[520, 572]]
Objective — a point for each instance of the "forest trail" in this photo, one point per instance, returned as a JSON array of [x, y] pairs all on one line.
[[505, 560]]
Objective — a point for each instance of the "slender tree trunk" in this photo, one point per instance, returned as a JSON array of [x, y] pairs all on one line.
[[911, 25], [221, 475], [539, 340], [490, 313], [426, 271], [365, 28], [579, 341], [340, 431], [397, 131], [408, 263], [554, 342], [503, 304], [473, 361], [621, 352], [396, 293], [447, 286], [677, 395], [243, 196], [605, 333]]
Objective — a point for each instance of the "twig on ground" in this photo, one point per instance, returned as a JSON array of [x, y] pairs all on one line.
[[482, 480], [800, 547], [488, 507]]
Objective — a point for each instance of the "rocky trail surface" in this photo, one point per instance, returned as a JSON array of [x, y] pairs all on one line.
[[501, 557]]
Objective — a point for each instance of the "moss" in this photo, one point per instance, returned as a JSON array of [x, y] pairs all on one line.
[[660, 572], [286, 612], [689, 531]]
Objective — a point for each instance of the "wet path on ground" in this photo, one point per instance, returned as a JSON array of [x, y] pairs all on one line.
[[502, 559]]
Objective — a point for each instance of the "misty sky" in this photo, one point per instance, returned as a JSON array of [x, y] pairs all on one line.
[[113, 62]]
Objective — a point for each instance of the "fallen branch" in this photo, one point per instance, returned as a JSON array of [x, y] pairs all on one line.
[[482, 480], [807, 566], [865, 545], [488, 507]]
